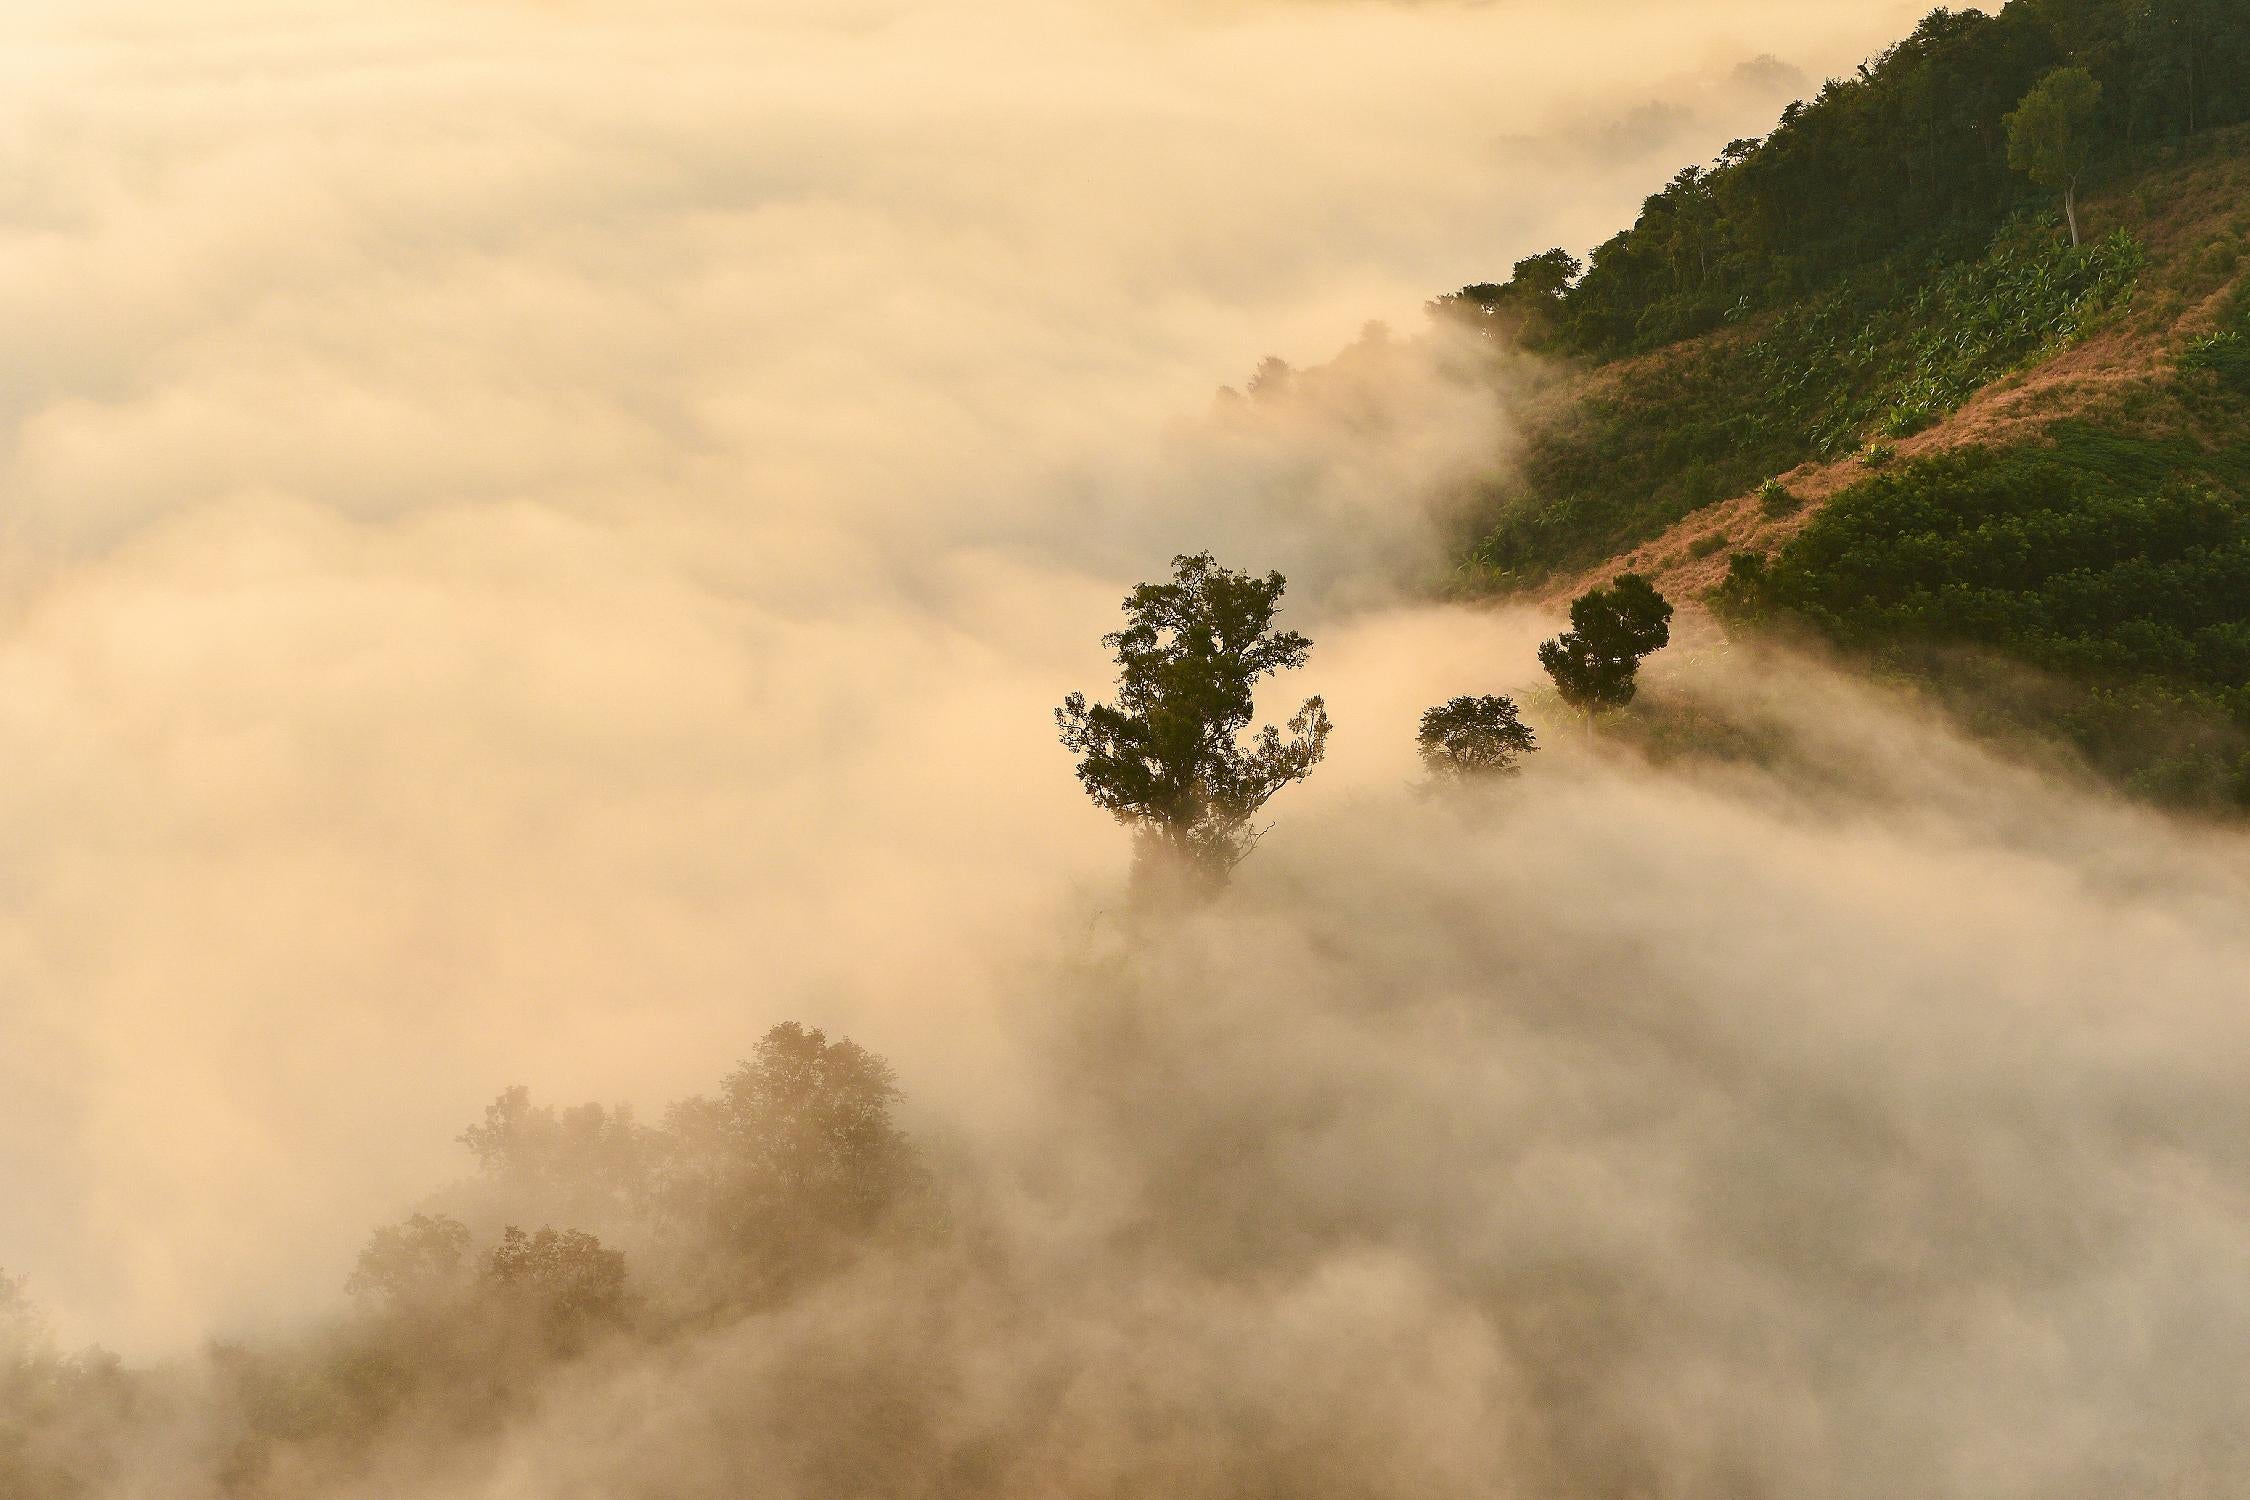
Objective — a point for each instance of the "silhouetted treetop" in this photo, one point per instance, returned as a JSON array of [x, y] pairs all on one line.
[[1596, 663], [1168, 758], [1474, 737]]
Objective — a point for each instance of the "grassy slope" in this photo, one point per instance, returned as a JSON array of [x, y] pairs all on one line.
[[1653, 462]]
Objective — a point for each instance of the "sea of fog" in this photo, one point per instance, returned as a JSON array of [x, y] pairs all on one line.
[[538, 540]]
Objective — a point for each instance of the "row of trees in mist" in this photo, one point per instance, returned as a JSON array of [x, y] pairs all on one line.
[[1169, 758], [765, 1184], [582, 1231], [1925, 152]]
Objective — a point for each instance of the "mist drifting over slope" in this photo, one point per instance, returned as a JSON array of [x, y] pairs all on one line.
[[541, 540], [1711, 1135]]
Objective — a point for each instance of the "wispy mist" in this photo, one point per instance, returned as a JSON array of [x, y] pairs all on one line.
[[541, 540]]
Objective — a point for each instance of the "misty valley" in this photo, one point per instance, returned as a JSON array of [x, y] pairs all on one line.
[[716, 788]]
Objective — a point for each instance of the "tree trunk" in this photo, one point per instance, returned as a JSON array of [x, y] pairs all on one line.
[[2070, 210]]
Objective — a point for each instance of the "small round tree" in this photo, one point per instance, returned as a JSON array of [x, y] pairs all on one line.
[[1596, 663], [1474, 737]]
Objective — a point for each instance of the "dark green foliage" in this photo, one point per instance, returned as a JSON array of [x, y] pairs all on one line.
[[2118, 564], [1596, 663], [2225, 355], [1859, 267], [1904, 162], [1860, 275], [1167, 759], [1473, 737], [1905, 357], [1745, 581], [2074, 562], [1527, 309], [1547, 275]]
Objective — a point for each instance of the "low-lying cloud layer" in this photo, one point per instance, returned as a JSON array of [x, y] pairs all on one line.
[[1855, 1120], [541, 540], [542, 537]]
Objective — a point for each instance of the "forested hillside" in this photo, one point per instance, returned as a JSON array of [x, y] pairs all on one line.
[[1950, 370], [1894, 173]]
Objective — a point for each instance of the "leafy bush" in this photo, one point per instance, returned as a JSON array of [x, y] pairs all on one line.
[[1742, 594], [2116, 563]]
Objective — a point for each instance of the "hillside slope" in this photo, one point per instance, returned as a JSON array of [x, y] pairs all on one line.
[[1861, 381], [2062, 557], [1879, 381], [2189, 221]]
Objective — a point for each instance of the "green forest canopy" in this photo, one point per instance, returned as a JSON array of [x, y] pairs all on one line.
[[1903, 162]]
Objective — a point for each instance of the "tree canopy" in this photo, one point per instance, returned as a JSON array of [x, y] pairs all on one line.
[[564, 1280], [1168, 758], [1474, 737], [2050, 134], [1596, 663], [796, 1159], [1904, 159], [417, 1260]]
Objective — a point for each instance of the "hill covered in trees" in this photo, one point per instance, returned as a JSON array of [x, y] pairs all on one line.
[[1884, 176], [1949, 370]]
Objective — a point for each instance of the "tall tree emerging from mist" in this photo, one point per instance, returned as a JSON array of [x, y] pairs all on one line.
[[1474, 737], [2051, 134], [1596, 663], [1168, 759]]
